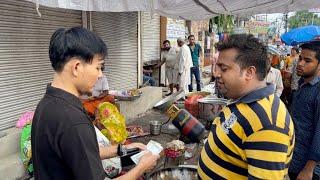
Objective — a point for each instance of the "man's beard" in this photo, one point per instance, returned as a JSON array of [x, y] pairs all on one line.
[[165, 49], [312, 73]]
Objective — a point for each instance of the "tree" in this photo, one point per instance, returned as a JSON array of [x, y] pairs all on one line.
[[224, 23], [303, 18]]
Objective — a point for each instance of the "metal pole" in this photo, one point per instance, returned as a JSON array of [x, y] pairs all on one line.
[[313, 18], [266, 17], [286, 22], [140, 64]]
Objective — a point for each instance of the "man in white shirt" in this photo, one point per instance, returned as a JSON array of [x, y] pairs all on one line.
[[184, 65], [274, 77], [100, 93], [101, 88], [169, 55]]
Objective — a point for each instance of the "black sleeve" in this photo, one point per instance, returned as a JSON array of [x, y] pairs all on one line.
[[79, 149]]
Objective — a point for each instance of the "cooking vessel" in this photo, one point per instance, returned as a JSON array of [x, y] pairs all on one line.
[[181, 173], [209, 109]]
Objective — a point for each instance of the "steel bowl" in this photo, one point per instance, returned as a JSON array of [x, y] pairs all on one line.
[[202, 93], [209, 109], [127, 98]]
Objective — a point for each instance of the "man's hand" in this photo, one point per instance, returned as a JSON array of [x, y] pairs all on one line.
[[136, 145], [307, 171], [305, 174], [148, 161]]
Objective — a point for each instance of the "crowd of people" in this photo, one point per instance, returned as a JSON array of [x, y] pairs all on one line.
[[256, 136], [181, 64], [287, 66]]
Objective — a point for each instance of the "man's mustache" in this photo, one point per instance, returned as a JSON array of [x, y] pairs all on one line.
[[165, 49]]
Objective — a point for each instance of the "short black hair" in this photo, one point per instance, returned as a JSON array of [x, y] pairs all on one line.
[[190, 36], [74, 42], [251, 52], [313, 46], [166, 41]]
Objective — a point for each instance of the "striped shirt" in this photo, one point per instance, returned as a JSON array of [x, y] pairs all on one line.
[[252, 137]]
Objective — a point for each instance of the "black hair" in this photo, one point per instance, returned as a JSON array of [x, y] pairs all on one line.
[[190, 36], [313, 46], [251, 52], [166, 41], [74, 42]]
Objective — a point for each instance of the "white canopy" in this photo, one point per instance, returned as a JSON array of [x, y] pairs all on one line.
[[186, 9]]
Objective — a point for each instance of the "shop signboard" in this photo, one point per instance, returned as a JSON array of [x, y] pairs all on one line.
[[257, 27]]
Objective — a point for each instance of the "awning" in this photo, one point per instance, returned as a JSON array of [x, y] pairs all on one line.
[[186, 9]]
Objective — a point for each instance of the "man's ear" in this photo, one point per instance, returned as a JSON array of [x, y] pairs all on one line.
[[76, 67], [318, 68], [250, 72]]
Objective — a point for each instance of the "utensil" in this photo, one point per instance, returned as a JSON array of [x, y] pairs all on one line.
[[127, 98], [202, 93], [183, 173], [165, 103], [209, 108], [155, 127], [174, 161]]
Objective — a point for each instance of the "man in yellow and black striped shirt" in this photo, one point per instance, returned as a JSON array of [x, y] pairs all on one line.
[[253, 137]]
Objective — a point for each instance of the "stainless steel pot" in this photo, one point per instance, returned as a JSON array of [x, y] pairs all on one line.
[[209, 108], [184, 173]]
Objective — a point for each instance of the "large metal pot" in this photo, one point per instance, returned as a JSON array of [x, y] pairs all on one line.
[[181, 173], [209, 108]]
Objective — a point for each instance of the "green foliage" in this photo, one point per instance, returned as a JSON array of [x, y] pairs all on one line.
[[303, 18], [224, 23]]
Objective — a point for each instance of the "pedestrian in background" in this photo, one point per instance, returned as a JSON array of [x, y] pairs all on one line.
[[196, 53], [306, 115], [184, 65], [169, 56]]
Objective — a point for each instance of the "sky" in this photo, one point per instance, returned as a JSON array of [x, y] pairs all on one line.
[[279, 17]]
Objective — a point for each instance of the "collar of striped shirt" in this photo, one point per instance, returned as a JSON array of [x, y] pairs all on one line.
[[256, 95]]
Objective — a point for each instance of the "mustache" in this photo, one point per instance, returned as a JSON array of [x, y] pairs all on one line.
[[218, 79], [165, 49]]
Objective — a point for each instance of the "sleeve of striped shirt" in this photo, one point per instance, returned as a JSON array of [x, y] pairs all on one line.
[[267, 153]]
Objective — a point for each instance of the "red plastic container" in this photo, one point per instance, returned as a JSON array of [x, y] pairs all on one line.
[[191, 105]]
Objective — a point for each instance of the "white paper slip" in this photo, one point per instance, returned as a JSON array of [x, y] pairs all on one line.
[[154, 147], [136, 158]]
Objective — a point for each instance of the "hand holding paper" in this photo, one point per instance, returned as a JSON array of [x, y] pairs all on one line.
[[153, 146]]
